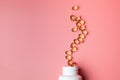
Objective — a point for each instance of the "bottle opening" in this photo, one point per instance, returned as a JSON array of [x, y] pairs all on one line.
[[70, 70]]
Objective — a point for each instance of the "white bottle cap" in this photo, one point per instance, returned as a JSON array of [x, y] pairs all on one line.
[[70, 70]]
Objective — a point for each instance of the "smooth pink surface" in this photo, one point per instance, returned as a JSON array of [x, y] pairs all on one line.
[[34, 34]]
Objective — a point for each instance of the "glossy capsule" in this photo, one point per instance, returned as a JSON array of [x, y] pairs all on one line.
[[85, 32], [75, 8], [77, 18], [74, 64], [78, 24], [74, 49], [74, 29], [76, 41], [82, 36], [70, 62], [82, 22], [83, 27], [69, 52], [72, 17], [73, 45], [68, 57], [81, 39]]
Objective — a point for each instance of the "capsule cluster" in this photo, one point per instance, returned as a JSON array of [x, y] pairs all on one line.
[[80, 26]]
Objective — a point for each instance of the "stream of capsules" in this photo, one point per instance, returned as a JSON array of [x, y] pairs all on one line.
[[80, 26]]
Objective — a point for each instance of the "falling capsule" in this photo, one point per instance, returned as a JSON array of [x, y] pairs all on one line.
[[78, 24], [69, 52], [83, 27], [72, 17], [81, 39], [85, 32], [74, 29], [76, 41], [75, 8], [74, 64], [82, 36], [68, 57], [82, 22], [74, 49], [77, 18], [73, 45], [70, 62]]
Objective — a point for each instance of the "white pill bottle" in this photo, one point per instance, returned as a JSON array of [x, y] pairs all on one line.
[[70, 73]]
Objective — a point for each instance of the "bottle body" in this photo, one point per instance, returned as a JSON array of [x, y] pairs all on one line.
[[63, 77], [70, 73]]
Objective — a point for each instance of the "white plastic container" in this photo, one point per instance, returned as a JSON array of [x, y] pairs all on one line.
[[70, 73]]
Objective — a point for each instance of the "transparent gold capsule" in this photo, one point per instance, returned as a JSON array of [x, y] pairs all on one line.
[[78, 24], [72, 17], [73, 45], [81, 40], [82, 36], [68, 57], [74, 49], [83, 27], [76, 41], [69, 52], [74, 29], [75, 8], [70, 62], [82, 22], [85, 32], [77, 18], [74, 64]]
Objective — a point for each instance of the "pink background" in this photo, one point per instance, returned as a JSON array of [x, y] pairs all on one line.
[[34, 34]]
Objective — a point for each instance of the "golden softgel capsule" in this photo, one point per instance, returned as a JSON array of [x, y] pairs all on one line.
[[75, 7], [72, 17], [74, 29], [69, 52]]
